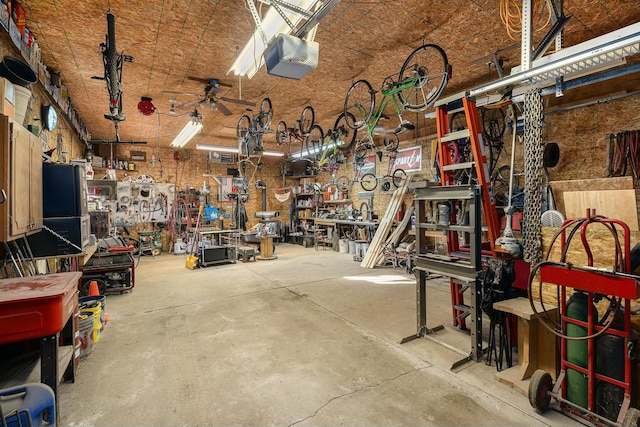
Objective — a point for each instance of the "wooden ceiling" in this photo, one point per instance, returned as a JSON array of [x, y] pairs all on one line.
[[173, 41]]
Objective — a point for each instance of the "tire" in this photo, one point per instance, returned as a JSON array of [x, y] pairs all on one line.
[[359, 104], [307, 119], [315, 142], [457, 121], [399, 175], [243, 126], [631, 418], [345, 135], [343, 183], [551, 155], [493, 123], [266, 112], [429, 65], [113, 84], [391, 142], [539, 387], [282, 134], [368, 182]]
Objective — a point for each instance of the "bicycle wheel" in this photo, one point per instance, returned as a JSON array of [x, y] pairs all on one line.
[[266, 112], [345, 136], [343, 183], [458, 121], [282, 135], [398, 176], [112, 64], [493, 123], [428, 67], [307, 119], [369, 182], [243, 126], [500, 181], [315, 142], [359, 104], [391, 141]]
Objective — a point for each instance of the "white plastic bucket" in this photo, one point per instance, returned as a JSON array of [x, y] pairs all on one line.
[[23, 95], [364, 248], [352, 247], [344, 246]]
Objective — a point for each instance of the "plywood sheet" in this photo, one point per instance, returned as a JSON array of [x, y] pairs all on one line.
[[614, 204], [560, 187]]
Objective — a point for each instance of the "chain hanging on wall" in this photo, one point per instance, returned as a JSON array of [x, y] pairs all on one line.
[[533, 179]]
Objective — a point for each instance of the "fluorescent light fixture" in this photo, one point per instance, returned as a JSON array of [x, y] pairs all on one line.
[[315, 150], [219, 148], [227, 149], [191, 129], [250, 58]]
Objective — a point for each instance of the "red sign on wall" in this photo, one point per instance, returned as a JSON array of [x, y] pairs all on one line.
[[409, 159]]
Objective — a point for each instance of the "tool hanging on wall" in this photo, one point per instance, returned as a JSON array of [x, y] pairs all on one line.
[[192, 259]]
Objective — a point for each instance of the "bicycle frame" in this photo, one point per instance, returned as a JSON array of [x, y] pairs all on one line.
[[388, 96]]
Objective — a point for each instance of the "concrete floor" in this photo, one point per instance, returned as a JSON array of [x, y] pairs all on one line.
[[308, 339]]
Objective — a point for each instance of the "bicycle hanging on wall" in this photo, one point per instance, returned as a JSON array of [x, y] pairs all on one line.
[[421, 80], [112, 62]]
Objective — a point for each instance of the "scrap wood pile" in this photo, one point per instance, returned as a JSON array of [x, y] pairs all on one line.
[[385, 236]]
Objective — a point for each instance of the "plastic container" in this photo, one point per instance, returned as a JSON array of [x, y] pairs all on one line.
[[23, 95], [364, 248], [179, 247], [85, 330], [344, 246], [17, 72], [352, 247], [95, 309]]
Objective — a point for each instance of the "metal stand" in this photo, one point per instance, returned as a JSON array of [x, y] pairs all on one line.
[[459, 268]]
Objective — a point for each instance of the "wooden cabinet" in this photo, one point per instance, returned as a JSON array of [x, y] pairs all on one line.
[[21, 178]]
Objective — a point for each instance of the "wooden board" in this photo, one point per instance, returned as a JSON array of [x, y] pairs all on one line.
[[614, 204], [560, 187]]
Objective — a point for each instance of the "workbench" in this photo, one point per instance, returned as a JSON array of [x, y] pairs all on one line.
[[43, 308], [219, 252]]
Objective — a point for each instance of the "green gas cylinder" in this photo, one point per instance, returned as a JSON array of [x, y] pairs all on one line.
[[577, 350]]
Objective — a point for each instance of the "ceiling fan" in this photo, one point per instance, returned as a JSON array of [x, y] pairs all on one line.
[[211, 97]]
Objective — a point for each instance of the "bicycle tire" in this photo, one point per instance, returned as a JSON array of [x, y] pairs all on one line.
[[307, 119], [282, 134], [314, 142], [432, 73], [359, 104], [398, 176], [457, 121], [493, 123], [391, 141], [343, 183], [346, 136], [265, 115], [368, 182], [111, 63], [243, 126]]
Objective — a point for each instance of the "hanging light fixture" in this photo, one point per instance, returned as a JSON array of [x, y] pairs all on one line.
[[190, 130]]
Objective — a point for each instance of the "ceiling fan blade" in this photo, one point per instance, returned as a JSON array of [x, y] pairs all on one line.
[[239, 101], [189, 103], [223, 109], [172, 92]]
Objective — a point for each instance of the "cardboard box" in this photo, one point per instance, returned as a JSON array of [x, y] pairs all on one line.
[[8, 96]]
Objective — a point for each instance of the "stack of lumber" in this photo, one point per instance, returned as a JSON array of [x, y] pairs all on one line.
[[382, 237]]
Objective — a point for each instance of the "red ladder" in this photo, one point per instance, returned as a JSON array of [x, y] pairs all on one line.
[[447, 171]]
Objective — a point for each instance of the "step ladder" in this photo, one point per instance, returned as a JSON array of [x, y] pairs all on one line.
[[448, 169]]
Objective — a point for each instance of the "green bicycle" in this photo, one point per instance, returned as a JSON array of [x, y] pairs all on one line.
[[421, 80]]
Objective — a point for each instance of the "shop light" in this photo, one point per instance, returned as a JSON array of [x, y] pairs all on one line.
[[188, 132], [227, 149]]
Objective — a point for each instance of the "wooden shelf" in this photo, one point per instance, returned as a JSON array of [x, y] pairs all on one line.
[[330, 202]]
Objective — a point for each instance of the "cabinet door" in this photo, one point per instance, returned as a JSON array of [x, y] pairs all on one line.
[[35, 185], [5, 178], [20, 182]]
